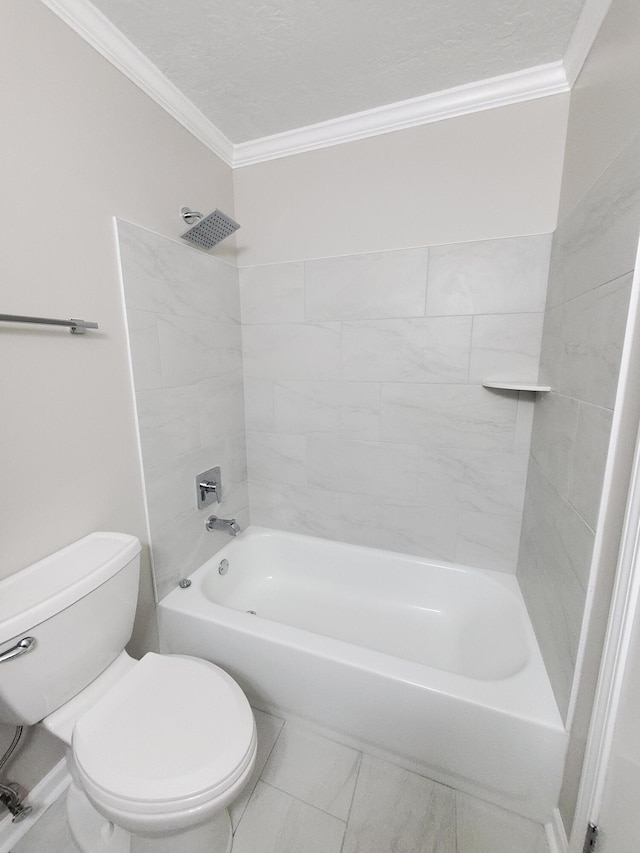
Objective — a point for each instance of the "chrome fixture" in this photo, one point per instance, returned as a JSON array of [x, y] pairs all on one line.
[[190, 216], [209, 487], [185, 583], [10, 797], [223, 568], [10, 791], [209, 230], [20, 648], [76, 327], [229, 524]]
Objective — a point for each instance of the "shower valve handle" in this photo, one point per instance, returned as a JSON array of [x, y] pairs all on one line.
[[207, 486]]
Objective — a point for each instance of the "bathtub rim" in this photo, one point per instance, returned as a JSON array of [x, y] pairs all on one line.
[[526, 694]]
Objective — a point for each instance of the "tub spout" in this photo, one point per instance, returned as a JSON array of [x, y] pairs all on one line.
[[229, 524]]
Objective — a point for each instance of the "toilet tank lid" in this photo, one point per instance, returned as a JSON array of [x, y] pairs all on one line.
[[43, 589]]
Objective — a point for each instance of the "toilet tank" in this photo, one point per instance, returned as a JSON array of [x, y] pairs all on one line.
[[78, 605]]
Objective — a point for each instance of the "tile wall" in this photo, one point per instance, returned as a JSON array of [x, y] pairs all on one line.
[[592, 262], [366, 419], [183, 312]]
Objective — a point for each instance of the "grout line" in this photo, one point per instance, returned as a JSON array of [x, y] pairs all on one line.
[[572, 456], [471, 331], [304, 802], [426, 282], [259, 779], [353, 796], [455, 821]]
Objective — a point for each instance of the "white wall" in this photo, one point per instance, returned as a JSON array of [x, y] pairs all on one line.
[[79, 143], [605, 104], [477, 177]]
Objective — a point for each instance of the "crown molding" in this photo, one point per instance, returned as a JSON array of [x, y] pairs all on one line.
[[538, 82], [588, 26], [501, 91], [102, 35]]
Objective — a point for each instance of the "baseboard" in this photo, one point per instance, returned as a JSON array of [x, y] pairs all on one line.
[[556, 835], [45, 793]]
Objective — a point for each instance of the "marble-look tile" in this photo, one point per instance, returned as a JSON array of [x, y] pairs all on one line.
[[552, 348], [461, 416], [488, 541], [589, 460], [171, 487], [277, 458], [506, 346], [365, 287], [586, 357], [346, 409], [570, 546], [395, 810], [183, 546], [524, 421], [145, 350], [169, 421], [221, 406], [432, 349], [235, 460], [313, 769], [393, 525], [272, 293], [361, 467], [275, 822], [193, 349], [168, 277], [308, 510], [553, 569], [598, 240], [479, 480], [554, 432], [259, 405], [489, 277], [484, 828], [219, 293], [285, 351], [552, 629], [268, 729], [50, 833]]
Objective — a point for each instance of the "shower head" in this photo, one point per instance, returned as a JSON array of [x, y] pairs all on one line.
[[208, 230]]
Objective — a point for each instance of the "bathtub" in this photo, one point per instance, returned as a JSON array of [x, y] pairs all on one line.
[[430, 664]]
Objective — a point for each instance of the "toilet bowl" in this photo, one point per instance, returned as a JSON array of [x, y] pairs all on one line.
[[157, 748]]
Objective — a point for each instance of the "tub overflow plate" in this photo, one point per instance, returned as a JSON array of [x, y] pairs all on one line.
[[223, 568]]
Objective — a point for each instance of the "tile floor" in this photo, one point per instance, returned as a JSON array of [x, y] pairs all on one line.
[[309, 794]]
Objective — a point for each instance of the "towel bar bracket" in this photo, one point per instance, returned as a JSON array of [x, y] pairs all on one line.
[[76, 327]]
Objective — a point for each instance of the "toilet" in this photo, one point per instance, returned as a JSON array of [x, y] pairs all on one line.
[[157, 748]]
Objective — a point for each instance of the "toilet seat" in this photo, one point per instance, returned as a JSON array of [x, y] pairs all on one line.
[[175, 736]]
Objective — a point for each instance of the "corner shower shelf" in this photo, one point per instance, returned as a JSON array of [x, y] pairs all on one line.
[[515, 386]]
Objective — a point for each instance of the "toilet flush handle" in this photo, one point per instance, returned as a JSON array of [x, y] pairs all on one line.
[[20, 648]]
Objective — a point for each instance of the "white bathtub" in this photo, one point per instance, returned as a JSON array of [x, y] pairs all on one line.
[[431, 663]]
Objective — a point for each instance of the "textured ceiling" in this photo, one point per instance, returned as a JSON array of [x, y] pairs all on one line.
[[258, 67]]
